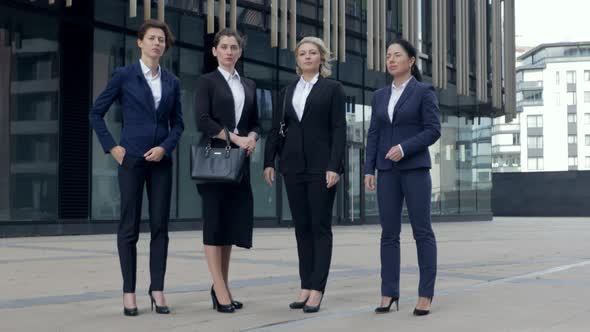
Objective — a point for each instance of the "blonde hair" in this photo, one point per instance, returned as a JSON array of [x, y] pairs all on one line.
[[325, 56]]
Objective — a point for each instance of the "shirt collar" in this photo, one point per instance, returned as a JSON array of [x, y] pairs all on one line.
[[227, 75], [403, 86], [312, 82], [147, 71]]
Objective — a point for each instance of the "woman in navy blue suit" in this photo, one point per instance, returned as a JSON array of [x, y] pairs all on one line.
[[405, 121], [152, 125]]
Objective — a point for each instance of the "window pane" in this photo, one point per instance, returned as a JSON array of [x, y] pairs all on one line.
[[29, 107]]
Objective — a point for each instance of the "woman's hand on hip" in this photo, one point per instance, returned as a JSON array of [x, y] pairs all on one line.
[[118, 152], [370, 182], [331, 179], [269, 175], [155, 154]]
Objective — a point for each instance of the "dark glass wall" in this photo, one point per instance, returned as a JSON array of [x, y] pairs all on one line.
[[30, 81]]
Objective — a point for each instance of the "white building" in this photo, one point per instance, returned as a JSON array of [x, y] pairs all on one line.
[[552, 129]]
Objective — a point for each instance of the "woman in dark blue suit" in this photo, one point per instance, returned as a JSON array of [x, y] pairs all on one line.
[[405, 121], [152, 125]]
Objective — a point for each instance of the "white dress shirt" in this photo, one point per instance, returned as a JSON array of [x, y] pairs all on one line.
[[396, 93], [237, 90], [154, 82], [301, 93]]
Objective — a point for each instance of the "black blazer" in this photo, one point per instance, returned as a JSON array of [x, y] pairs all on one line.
[[317, 143], [215, 107]]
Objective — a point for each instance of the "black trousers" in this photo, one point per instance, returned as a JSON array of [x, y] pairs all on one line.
[[311, 207], [157, 177]]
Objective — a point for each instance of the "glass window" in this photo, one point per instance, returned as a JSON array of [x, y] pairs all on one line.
[[557, 77], [587, 139], [449, 164], [586, 96], [587, 75], [572, 139], [572, 161], [535, 142], [516, 139], [572, 118], [535, 164], [29, 114], [587, 163], [535, 121], [191, 67], [571, 98], [532, 96], [587, 118], [570, 77]]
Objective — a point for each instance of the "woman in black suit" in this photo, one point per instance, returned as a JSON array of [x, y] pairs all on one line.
[[226, 100], [310, 159]]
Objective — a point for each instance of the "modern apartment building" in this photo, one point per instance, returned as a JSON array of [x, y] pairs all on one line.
[[551, 131]]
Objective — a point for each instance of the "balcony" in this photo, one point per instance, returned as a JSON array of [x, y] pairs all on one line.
[[529, 85], [523, 103], [506, 128], [506, 149]]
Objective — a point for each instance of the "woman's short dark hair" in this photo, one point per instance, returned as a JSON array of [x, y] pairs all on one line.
[[411, 51], [228, 33], [155, 24]]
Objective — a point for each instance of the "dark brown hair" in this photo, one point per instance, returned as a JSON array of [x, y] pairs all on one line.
[[412, 53], [228, 33], [149, 24]]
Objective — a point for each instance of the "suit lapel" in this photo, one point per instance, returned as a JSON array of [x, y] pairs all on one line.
[[147, 92], [289, 91], [249, 95], [312, 94], [385, 104], [225, 86], [408, 91], [166, 90]]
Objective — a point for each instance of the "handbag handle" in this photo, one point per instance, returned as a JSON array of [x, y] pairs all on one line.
[[227, 144], [282, 129]]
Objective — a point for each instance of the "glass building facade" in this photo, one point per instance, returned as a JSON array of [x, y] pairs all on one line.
[[54, 61]]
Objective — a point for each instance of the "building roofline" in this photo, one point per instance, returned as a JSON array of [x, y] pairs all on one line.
[[547, 45]]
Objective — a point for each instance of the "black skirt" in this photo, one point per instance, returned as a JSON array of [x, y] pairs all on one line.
[[228, 213]]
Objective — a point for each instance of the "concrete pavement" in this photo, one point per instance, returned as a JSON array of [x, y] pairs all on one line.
[[511, 274]]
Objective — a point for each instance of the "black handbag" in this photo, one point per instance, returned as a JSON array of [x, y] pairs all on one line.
[[217, 165]]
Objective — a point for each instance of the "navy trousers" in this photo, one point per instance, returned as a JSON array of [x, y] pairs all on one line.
[[133, 174], [415, 186]]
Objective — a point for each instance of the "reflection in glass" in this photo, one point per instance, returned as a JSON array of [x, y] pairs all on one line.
[[29, 104]]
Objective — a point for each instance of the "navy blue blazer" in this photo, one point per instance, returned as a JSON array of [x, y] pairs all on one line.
[[415, 126], [144, 126]]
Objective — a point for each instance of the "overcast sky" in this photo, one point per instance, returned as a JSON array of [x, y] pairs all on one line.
[[550, 21]]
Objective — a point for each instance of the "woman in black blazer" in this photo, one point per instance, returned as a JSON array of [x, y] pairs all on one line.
[[310, 159], [224, 99]]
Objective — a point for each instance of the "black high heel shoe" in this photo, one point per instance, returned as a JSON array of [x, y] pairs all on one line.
[[159, 309], [225, 308], [308, 309], [130, 311], [381, 310], [237, 304], [420, 312], [298, 304]]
